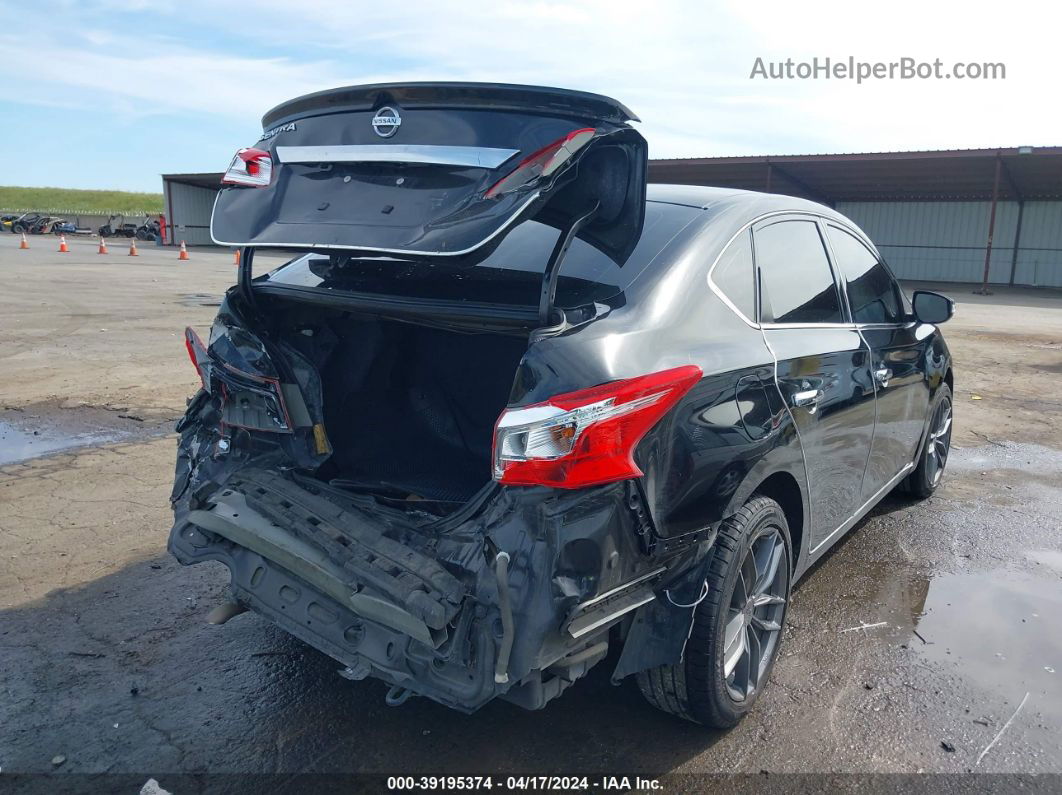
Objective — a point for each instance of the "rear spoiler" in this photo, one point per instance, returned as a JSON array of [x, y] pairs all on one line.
[[496, 97], [426, 170]]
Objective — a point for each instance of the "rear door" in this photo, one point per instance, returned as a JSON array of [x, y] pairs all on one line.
[[898, 362], [823, 366]]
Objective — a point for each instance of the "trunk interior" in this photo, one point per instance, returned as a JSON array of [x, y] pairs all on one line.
[[409, 409]]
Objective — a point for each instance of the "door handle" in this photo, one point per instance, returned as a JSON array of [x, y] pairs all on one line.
[[882, 375], [807, 398]]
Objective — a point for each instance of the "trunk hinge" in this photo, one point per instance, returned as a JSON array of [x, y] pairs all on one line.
[[549, 275], [243, 276]]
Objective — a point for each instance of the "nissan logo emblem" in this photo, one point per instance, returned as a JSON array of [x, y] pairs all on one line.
[[386, 122]]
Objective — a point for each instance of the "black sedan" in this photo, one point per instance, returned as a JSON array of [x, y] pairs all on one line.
[[510, 408]]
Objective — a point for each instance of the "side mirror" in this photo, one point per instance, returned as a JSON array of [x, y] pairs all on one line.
[[932, 307]]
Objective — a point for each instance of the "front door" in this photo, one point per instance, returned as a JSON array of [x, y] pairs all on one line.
[[823, 367], [898, 349]]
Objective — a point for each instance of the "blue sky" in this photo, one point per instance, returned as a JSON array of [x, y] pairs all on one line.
[[112, 93]]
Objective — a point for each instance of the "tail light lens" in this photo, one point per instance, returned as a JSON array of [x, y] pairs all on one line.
[[251, 393], [250, 167], [587, 437], [542, 163], [197, 352]]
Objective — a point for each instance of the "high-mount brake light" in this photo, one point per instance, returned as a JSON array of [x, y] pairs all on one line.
[[251, 168], [588, 437], [542, 163]]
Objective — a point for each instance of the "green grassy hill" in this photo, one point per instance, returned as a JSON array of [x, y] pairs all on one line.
[[67, 200]]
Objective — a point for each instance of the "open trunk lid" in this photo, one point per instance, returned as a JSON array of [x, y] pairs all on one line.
[[439, 170]]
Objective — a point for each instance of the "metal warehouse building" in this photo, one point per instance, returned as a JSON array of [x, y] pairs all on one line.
[[930, 213], [189, 201]]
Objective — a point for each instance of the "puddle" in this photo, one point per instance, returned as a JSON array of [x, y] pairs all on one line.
[[1051, 558], [1002, 630], [19, 445], [47, 428]]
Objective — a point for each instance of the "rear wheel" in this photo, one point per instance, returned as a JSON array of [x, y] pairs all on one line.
[[737, 627], [934, 456]]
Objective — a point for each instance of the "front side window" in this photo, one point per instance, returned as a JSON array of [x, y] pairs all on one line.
[[735, 276], [873, 294], [796, 282]]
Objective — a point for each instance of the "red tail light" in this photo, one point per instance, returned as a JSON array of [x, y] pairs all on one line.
[[196, 351], [543, 162], [250, 167], [588, 437]]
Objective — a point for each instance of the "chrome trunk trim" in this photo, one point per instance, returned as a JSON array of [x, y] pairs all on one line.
[[463, 156]]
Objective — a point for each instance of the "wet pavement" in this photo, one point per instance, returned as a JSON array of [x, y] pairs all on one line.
[[45, 429], [921, 632], [909, 647]]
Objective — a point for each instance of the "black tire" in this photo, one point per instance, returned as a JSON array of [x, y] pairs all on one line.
[[18, 229], [698, 688], [932, 460]]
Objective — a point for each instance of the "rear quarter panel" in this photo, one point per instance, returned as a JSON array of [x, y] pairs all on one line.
[[728, 433]]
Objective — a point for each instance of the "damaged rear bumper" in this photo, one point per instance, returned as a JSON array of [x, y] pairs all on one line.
[[516, 599], [329, 576], [447, 615]]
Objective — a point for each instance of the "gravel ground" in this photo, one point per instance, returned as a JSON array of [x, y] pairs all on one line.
[[908, 649]]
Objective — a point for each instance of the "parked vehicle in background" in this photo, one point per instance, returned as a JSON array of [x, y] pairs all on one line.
[[118, 226], [61, 227], [24, 223], [41, 225], [509, 409], [148, 230]]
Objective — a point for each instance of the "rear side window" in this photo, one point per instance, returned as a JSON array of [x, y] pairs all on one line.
[[873, 294], [735, 276], [797, 284]]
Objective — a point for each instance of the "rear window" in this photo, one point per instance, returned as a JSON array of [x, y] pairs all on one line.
[[512, 274]]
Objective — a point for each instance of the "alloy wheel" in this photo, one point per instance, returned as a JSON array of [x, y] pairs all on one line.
[[754, 618], [939, 442]]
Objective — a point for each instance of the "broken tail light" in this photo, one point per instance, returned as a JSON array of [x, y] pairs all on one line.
[[588, 437], [542, 163], [251, 394], [197, 352], [251, 168]]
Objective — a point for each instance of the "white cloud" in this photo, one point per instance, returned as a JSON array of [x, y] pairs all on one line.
[[683, 66]]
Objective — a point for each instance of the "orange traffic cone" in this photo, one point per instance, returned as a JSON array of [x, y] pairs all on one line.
[[24, 243], [132, 247], [103, 246], [62, 244], [236, 258], [184, 252]]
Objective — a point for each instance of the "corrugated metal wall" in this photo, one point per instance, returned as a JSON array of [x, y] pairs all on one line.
[[945, 241], [188, 209]]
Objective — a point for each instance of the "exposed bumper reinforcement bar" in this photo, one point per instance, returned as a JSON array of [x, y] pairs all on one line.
[[234, 520]]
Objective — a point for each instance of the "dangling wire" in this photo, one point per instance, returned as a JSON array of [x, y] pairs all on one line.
[[701, 598]]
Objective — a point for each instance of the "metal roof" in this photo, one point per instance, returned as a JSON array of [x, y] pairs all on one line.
[[1026, 172], [210, 180]]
